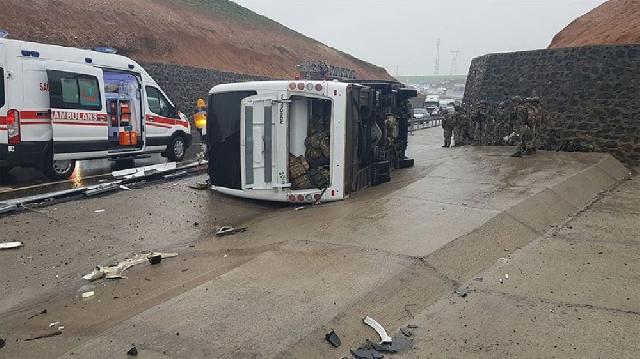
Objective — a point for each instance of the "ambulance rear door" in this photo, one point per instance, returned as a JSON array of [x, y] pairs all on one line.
[[78, 113], [264, 142]]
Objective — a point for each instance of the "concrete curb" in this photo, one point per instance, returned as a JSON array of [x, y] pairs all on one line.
[[517, 226]]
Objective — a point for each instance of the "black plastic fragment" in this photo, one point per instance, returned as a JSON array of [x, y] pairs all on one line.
[[155, 259], [406, 332], [133, 351], [333, 339], [2, 343], [365, 353]]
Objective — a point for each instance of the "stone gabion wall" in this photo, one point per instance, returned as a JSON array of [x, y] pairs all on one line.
[[184, 84], [591, 95]]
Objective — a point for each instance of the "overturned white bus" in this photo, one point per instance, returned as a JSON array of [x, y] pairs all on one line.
[[306, 141]]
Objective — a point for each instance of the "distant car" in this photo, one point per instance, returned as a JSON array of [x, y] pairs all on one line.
[[420, 114]]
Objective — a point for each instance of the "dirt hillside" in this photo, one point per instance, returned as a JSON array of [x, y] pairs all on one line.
[[614, 22], [203, 33]]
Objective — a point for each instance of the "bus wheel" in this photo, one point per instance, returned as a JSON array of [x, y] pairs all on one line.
[[60, 169], [176, 149]]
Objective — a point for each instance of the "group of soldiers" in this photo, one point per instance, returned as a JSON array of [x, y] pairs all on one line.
[[515, 121]]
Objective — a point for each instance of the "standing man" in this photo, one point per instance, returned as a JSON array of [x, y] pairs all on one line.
[[535, 118], [447, 127], [459, 126], [200, 120], [521, 111], [479, 124]]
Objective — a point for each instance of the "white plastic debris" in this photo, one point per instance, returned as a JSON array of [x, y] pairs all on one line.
[[115, 271], [51, 325], [10, 245], [86, 295], [123, 187], [506, 276], [99, 211], [384, 337], [61, 328]]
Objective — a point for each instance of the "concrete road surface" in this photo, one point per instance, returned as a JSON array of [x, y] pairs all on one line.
[[563, 228]]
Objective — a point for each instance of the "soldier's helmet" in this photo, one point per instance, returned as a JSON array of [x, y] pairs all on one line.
[[501, 105]]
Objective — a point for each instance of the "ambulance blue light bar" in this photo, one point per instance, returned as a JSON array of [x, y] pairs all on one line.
[[28, 53], [105, 49]]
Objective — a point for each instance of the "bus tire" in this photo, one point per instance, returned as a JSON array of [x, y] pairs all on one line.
[[59, 170], [176, 149]]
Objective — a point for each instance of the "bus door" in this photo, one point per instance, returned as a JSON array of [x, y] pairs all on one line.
[[78, 116], [264, 142]]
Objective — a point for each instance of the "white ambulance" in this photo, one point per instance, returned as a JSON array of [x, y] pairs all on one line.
[[60, 104]]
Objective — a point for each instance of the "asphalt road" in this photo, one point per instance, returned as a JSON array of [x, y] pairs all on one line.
[[462, 217]]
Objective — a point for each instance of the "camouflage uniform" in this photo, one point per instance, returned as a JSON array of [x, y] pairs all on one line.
[[460, 124], [447, 127], [535, 118], [479, 124], [525, 132]]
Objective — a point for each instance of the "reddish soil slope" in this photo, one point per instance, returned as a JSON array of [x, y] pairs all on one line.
[[614, 22], [203, 33]]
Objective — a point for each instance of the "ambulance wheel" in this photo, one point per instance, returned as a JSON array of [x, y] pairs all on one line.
[[176, 149], [60, 170]]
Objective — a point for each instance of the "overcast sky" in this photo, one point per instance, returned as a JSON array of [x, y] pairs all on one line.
[[404, 33]]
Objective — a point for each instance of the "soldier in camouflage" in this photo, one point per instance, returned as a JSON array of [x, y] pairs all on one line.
[[460, 124], [525, 131], [447, 127]]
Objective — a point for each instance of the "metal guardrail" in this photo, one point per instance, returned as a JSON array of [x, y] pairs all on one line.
[[428, 122]]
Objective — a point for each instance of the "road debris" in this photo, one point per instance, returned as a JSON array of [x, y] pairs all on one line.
[[506, 276], [115, 271], [384, 337], [463, 291], [333, 339], [86, 295], [364, 353], [43, 335], [406, 332], [2, 343], [504, 260], [199, 186], [10, 245], [412, 326], [44, 311], [99, 211], [102, 188], [176, 175], [51, 325], [228, 230], [7, 207], [155, 259], [125, 188], [133, 351]]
